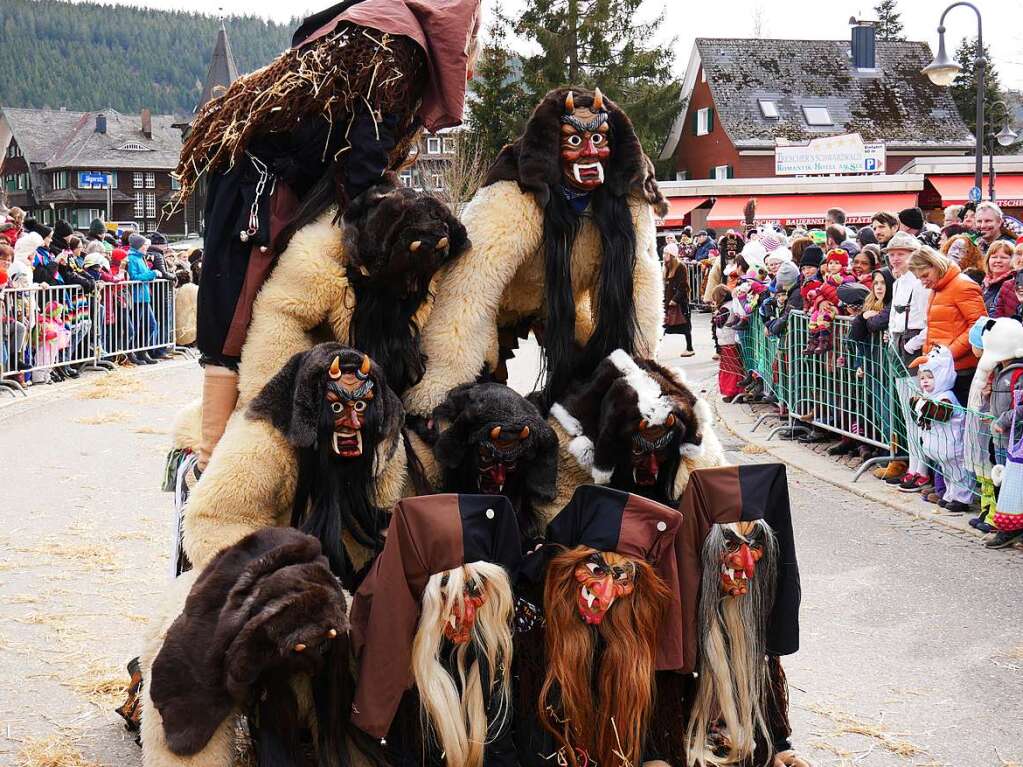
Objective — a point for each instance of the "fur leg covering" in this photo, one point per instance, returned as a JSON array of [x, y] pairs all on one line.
[[186, 434], [219, 752], [248, 485], [219, 396], [647, 284]]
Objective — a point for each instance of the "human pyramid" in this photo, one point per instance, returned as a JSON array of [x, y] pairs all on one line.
[[386, 555]]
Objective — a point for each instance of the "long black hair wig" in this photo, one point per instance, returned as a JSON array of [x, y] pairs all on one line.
[[534, 162]]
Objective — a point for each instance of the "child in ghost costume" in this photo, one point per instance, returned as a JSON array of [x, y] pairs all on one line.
[[941, 419]]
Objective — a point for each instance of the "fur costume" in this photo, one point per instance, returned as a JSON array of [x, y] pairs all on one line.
[[435, 612], [545, 254], [607, 582], [633, 425], [740, 598], [264, 614], [487, 438]]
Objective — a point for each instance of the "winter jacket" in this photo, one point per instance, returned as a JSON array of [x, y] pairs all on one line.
[[10, 232], [994, 290], [956, 303], [159, 261], [140, 271], [44, 268]]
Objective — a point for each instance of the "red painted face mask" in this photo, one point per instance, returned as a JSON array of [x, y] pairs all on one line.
[[459, 625], [651, 446], [585, 144], [348, 395], [498, 458], [604, 577], [743, 549]]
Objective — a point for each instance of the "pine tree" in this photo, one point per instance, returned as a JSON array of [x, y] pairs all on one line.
[[599, 43], [496, 97], [964, 89], [889, 21]]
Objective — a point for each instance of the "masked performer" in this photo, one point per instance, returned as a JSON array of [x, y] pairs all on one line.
[[264, 633], [633, 425], [489, 439], [325, 433], [564, 222], [605, 617], [740, 597], [284, 151], [431, 626]]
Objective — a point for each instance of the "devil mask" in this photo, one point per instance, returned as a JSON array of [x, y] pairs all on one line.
[[604, 577], [585, 143], [333, 405], [492, 440]]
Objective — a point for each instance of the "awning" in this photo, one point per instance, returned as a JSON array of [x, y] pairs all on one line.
[[679, 207], [808, 209], [954, 190]]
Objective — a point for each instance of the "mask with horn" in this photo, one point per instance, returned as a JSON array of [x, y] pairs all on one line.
[[348, 395], [585, 143]]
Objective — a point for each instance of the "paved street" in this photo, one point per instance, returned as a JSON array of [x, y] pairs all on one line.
[[912, 634]]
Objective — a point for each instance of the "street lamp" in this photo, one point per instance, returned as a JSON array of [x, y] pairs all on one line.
[[1005, 137], [943, 71]]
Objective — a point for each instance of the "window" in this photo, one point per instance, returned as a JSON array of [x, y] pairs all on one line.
[[140, 204], [438, 181], [60, 179], [704, 121], [719, 172], [681, 175], [175, 183], [433, 145], [134, 146], [449, 146], [150, 204], [817, 116], [703, 75], [406, 177], [150, 180], [13, 150], [84, 216], [136, 180], [768, 108], [23, 181], [112, 178]]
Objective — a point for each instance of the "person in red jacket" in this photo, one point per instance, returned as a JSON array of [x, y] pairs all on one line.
[[955, 305], [11, 229]]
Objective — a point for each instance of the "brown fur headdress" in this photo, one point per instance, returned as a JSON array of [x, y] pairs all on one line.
[[533, 160]]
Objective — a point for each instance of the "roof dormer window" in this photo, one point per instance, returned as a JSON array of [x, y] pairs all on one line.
[[133, 146], [769, 108], [817, 116]]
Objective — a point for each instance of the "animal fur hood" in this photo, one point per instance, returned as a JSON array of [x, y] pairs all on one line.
[[602, 414], [469, 413], [533, 160], [243, 618]]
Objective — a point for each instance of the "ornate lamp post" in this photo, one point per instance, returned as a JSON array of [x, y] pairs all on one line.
[[1005, 137]]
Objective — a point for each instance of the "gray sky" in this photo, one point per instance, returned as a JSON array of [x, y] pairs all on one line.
[[687, 19]]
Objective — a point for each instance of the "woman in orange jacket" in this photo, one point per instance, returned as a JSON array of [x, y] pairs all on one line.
[[956, 304]]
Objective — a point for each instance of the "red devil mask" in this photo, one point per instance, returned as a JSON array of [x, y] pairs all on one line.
[[604, 576], [585, 144], [651, 446], [744, 546], [498, 458], [459, 625], [348, 395]]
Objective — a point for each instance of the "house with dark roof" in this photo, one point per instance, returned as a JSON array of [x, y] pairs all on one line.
[[745, 97], [77, 166]]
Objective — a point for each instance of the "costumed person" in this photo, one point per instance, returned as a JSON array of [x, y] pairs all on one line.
[[940, 421], [634, 425], [488, 438], [255, 669], [677, 311], [432, 632], [740, 599], [1007, 522], [600, 616], [283, 152], [731, 369], [563, 242], [325, 433]]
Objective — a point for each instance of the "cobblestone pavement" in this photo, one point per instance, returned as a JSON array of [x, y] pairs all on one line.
[[912, 635]]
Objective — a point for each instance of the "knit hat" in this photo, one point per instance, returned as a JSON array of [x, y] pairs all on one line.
[[912, 218], [158, 239], [93, 259], [852, 293], [754, 253], [839, 255], [787, 276], [771, 241], [902, 241], [63, 230], [819, 237], [827, 293], [136, 241], [117, 255], [782, 253], [812, 256], [25, 247], [31, 225], [851, 247], [96, 228]]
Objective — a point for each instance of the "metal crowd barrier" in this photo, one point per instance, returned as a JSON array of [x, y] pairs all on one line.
[[696, 281], [46, 328], [862, 390]]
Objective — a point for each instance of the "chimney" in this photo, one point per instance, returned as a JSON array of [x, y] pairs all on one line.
[[863, 37], [101, 123], [147, 123]]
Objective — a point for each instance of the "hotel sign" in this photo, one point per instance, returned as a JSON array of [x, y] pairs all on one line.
[[830, 156]]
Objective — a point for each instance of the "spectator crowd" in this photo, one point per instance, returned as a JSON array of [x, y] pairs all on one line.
[[128, 287], [925, 318]]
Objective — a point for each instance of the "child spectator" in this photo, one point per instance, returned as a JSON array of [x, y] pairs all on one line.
[[836, 268], [824, 300], [940, 420], [11, 229], [730, 367]]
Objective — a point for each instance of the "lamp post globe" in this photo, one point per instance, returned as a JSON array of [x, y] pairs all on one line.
[[942, 71], [1006, 136]]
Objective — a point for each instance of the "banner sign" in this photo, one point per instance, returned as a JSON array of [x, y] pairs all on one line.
[[90, 179], [830, 155]]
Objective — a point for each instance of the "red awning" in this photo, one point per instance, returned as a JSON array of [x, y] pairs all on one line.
[[809, 209], [679, 207], [954, 190]]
